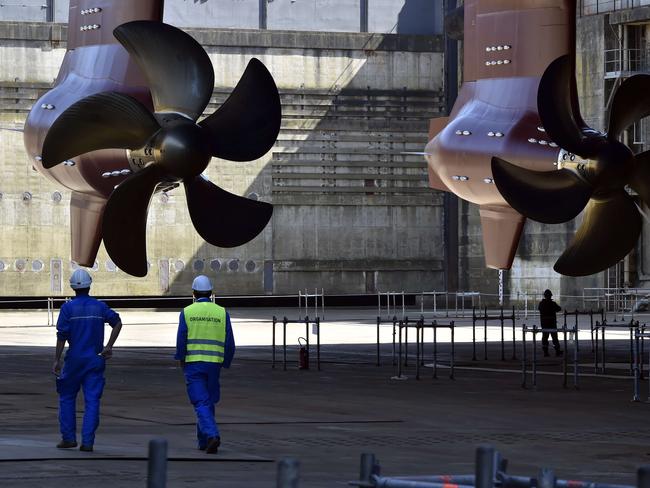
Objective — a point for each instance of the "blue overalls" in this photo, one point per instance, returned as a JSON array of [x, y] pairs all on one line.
[[202, 380], [81, 323]]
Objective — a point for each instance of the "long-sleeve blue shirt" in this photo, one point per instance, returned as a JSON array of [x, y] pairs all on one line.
[[181, 339], [81, 323]]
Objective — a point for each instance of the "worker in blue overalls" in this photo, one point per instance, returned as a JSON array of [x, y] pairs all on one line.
[[81, 324], [204, 345]]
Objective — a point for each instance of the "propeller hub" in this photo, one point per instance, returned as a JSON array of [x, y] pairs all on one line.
[[614, 165], [182, 150]]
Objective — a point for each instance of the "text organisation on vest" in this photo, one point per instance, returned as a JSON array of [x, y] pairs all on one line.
[[206, 332]]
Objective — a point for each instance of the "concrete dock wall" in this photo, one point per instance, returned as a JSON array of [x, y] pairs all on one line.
[[352, 214]]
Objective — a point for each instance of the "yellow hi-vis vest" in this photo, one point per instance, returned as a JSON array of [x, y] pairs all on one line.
[[206, 332]]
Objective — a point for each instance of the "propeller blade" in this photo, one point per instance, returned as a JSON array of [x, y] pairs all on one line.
[[640, 181], [224, 219], [550, 197], [178, 70], [559, 111], [108, 120], [631, 103], [247, 124], [609, 231], [124, 224]]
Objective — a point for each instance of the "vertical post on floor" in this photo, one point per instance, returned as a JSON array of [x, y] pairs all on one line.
[[406, 342], [367, 469], [378, 358], [565, 362], [394, 325], [642, 353], [523, 356], [318, 343], [503, 342], [635, 396], [417, 350], [275, 320], [473, 334], [631, 348], [284, 343], [648, 374], [157, 464], [591, 326], [596, 348], [643, 477], [421, 336], [453, 351], [307, 338], [514, 339], [534, 357], [435, 350], [485, 335], [288, 471], [484, 469], [399, 357], [576, 351], [603, 349]]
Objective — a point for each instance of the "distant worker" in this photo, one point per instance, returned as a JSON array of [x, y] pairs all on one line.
[[204, 345], [81, 324], [548, 320]]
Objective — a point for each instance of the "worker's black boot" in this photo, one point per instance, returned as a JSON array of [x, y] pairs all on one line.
[[546, 352], [86, 448], [66, 444], [559, 353], [213, 445]]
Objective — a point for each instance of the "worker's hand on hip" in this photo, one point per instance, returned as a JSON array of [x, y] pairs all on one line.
[[56, 367], [107, 352], [181, 364]]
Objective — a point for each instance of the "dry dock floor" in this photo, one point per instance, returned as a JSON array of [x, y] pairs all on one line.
[[324, 418]]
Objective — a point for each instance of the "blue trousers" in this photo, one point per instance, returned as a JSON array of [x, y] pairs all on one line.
[[86, 373], [202, 381]]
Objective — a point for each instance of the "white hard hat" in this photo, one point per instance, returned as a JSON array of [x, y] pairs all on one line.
[[80, 279], [201, 283]]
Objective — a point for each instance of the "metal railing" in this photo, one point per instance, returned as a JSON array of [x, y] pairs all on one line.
[[621, 61], [594, 7], [618, 300], [628, 302], [304, 303]]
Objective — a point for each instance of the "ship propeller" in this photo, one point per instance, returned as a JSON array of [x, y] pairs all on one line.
[[612, 223], [181, 79]]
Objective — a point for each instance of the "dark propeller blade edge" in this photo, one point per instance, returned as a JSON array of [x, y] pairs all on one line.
[[247, 125], [107, 120], [559, 111], [178, 70], [596, 245], [222, 218], [550, 197], [631, 102], [124, 224]]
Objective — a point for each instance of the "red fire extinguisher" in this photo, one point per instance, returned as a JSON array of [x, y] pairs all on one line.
[[303, 362]]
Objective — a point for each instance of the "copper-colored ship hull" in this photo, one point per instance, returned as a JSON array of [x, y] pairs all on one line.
[[94, 62], [508, 45]]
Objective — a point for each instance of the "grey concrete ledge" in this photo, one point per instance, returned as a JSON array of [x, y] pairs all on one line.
[[34, 31], [280, 265], [45, 31], [637, 14]]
